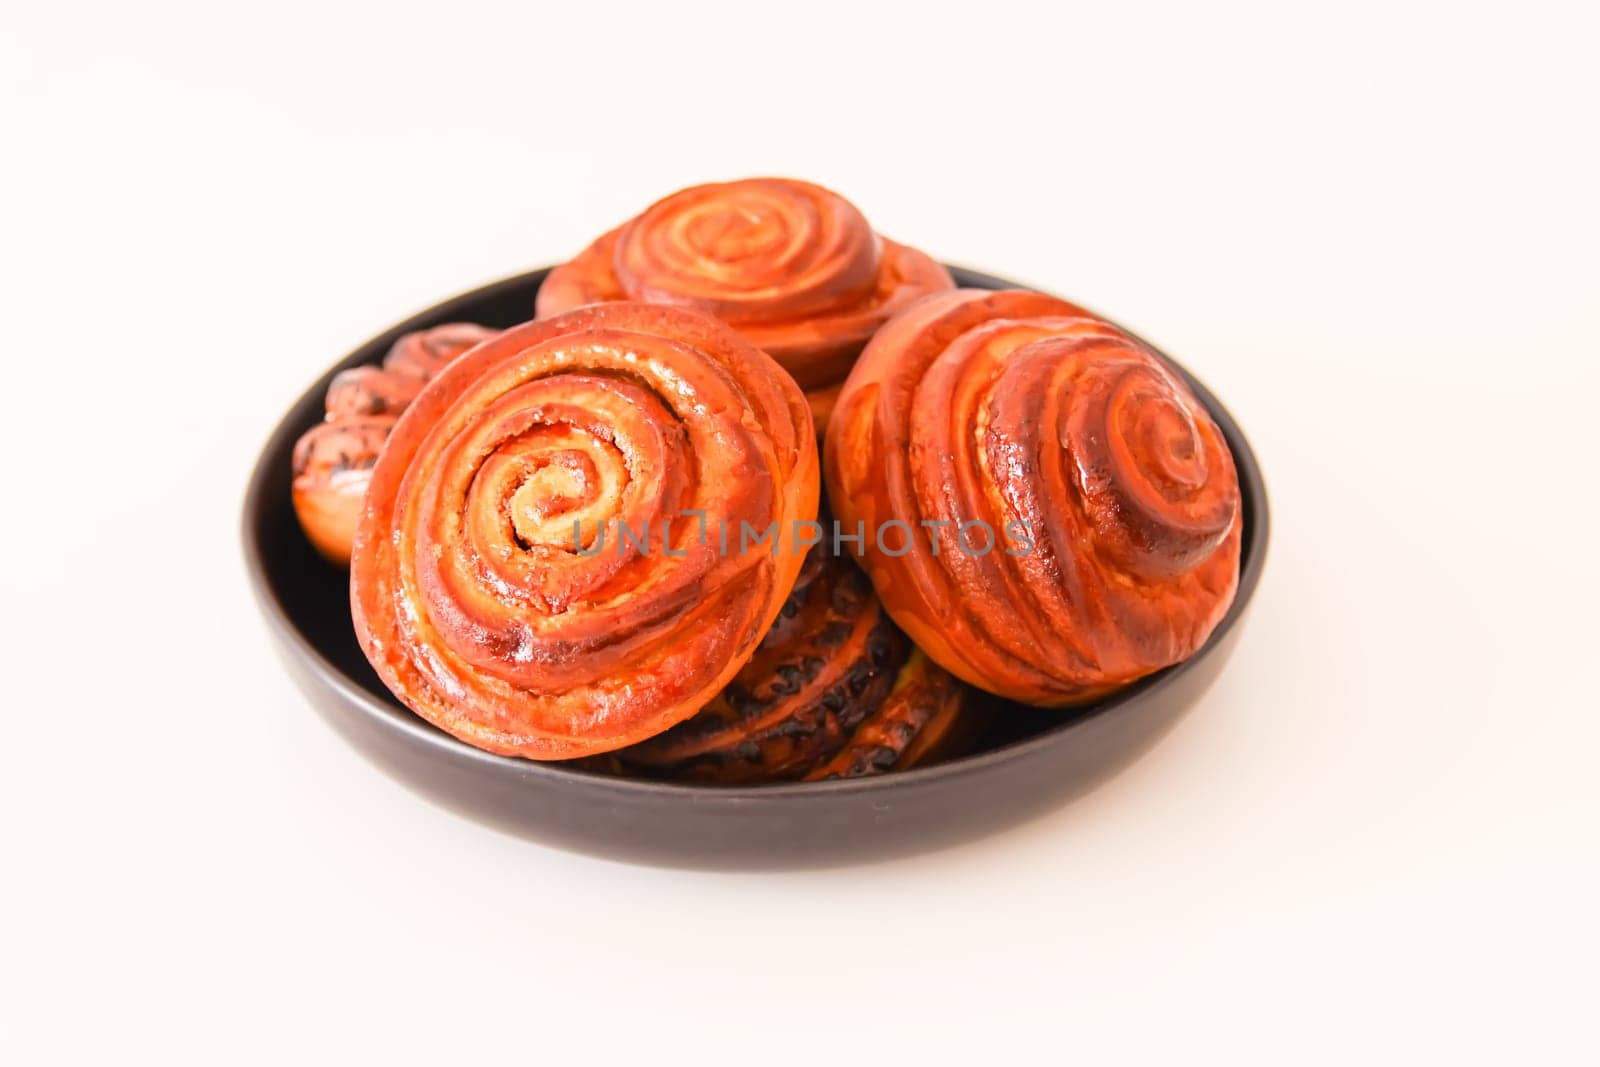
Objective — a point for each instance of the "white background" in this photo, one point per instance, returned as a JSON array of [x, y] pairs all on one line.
[[1372, 229]]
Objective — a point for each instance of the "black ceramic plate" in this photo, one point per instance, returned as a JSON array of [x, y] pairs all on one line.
[[1033, 760]]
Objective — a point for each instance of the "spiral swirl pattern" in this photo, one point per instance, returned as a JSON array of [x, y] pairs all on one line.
[[791, 265], [533, 572], [1086, 508], [834, 690], [333, 460]]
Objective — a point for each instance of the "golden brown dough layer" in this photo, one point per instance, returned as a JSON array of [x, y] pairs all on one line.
[[1104, 492], [790, 265], [834, 691], [333, 460], [530, 575]]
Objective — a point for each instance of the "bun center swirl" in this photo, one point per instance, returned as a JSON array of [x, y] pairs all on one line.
[[1133, 460], [751, 250]]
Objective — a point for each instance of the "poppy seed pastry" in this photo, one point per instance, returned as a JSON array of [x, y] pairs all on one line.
[[531, 572], [333, 460], [834, 690], [1055, 515], [792, 266]]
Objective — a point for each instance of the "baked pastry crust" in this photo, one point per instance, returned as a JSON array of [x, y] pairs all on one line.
[[792, 266], [834, 690], [333, 460], [1105, 491], [492, 584]]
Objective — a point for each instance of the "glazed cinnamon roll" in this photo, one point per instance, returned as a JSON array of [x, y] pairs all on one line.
[[791, 265], [834, 690], [1051, 513], [541, 568], [333, 460]]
